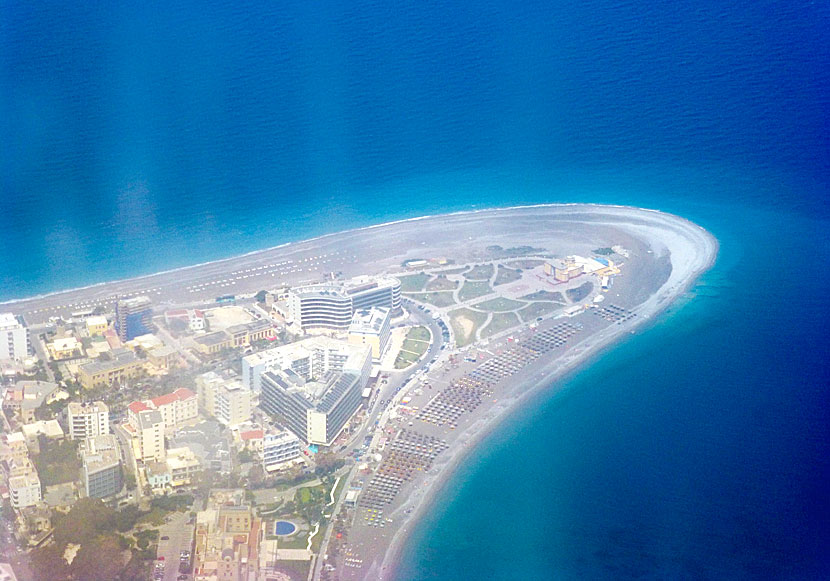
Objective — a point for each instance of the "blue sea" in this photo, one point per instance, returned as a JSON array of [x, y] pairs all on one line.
[[141, 136]]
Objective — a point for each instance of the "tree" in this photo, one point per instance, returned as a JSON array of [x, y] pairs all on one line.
[[99, 560], [47, 563]]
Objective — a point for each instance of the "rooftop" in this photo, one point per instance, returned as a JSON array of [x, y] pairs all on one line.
[[368, 321]]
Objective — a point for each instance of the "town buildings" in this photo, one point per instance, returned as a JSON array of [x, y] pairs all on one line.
[[227, 540], [14, 341], [87, 419]]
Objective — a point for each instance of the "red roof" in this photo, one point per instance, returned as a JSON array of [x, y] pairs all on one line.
[[164, 399], [184, 393], [252, 435], [137, 406], [180, 394]]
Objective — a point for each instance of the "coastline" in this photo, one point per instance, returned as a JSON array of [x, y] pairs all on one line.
[[322, 237], [538, 387]]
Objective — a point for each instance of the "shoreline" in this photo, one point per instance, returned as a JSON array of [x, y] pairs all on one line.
[[285, 245], [541, 385]]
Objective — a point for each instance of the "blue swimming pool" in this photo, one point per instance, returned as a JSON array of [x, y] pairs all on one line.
[[283, 527]]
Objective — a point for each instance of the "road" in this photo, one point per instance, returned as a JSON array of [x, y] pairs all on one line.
[[174, 537], [391, 391]]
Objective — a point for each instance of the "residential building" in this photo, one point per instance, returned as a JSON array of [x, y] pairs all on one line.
[[193, 318], [371, 327], [279, 450], [14, 341], [147, 430], [96, 325], [101, 471], [315, 386], [158, 475], [87, 419], [177, 407], [182, 465], [27, 396], [330, 306], [65, 348], [51, 429], [123, 365], [24, 491], [225, 399], [133, 317]]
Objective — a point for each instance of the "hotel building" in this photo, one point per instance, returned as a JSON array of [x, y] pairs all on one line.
[[331, 306], [314, 386]]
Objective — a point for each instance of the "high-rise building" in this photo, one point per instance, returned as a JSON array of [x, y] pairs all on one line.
[[314, 386], [147, 427], [227, 400], [331, 306], [133, 317], [87, 419], [102, 474], [14, 342]]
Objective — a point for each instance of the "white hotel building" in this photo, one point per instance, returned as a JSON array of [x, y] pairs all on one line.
[[331, 306]]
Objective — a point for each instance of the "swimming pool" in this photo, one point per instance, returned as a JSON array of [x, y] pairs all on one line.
[[284, 528]]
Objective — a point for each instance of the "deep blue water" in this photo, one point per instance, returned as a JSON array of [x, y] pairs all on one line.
[[146, 136]]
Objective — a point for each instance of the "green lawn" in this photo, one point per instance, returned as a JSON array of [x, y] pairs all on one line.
[[544, 295], [438, 299], [534, 310], [506, 275], [413, 282], [465, 322], [500, 304], [417, 347], [500, 322], [479, 272], [580, 292], [419, 334], [441, 283], [405, 359], [473, 290]]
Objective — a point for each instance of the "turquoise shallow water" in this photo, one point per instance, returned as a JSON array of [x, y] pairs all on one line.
[[143, 136]]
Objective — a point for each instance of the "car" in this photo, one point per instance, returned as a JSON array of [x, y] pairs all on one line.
[[165, 538], [161, 558]]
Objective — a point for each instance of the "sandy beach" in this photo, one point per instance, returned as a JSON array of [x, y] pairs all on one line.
[[691, 250]]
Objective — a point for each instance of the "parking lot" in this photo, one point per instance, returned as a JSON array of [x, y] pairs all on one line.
[[174, 537]]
